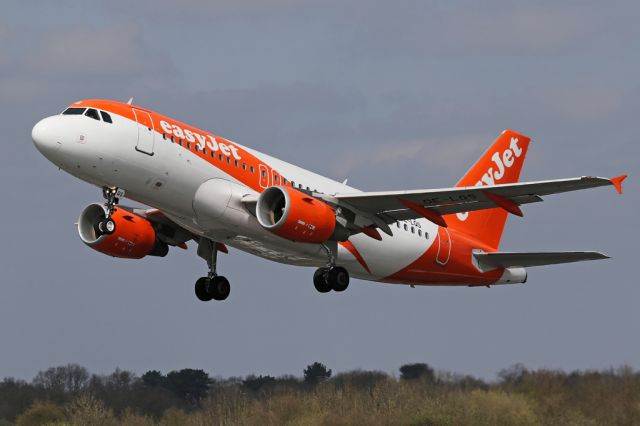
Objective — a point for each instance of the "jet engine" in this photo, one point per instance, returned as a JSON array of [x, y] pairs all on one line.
[[134, 236], [296, 216]]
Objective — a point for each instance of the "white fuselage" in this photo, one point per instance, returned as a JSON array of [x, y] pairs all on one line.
[[194, 192]]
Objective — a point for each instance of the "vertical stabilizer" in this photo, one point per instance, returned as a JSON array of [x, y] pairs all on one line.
[[500, 164]]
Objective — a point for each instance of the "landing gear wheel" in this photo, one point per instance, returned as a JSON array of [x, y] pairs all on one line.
[[218, 288], [338, 278], [108, 226], [201, 289], [320, 280], [213, 286]]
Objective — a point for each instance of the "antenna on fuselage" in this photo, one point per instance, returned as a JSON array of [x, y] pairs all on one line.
[[344, 182], [130, 101]]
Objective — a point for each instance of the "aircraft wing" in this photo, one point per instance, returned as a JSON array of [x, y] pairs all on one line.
[[392, 206], [488, 261]]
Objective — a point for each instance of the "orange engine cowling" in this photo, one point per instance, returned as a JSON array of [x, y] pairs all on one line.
[[295, 215], [134, 236]]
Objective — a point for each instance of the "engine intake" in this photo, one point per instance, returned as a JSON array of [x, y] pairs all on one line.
[[295, 215], [134, 236]]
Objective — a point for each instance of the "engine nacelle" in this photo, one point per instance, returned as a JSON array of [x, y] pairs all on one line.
[[295, 215], [134, 236]]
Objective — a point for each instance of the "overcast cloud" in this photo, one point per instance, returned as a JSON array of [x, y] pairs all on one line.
[[403, 95]]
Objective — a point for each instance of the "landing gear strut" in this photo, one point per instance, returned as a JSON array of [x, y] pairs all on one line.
[[330, 277], [112, 195], [213, 286]]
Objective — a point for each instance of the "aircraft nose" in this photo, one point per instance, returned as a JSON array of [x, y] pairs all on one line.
[[43, 135]]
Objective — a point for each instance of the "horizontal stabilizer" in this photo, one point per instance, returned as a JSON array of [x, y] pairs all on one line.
[[488, 261]]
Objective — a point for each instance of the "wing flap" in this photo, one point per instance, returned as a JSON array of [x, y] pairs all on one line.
[[488, 261]]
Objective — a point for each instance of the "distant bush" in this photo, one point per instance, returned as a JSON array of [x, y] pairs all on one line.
[[316, 373], [86, 410], [417, 371], [257, 383], [360, 379], [41, 413]]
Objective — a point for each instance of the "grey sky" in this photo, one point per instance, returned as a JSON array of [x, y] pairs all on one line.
[[396, 96]]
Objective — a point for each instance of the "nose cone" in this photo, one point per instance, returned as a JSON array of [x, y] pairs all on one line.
[[44, 136]]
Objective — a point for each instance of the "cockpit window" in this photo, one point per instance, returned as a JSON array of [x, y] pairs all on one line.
[[106, 117], [92, 113], [73, 111]]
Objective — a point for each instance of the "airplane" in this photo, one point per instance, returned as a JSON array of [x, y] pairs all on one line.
[[204, 188]]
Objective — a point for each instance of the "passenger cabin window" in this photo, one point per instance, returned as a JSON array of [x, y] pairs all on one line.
[[107, 118], [74, 111], [92, 113]]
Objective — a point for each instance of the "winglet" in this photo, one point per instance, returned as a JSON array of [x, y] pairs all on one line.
[[617, 182]]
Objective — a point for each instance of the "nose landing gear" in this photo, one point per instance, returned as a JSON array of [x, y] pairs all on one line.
[[112, 195], [213, 286], [331, 277]]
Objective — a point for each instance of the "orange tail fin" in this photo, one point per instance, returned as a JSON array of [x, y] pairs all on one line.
[[500, 164]]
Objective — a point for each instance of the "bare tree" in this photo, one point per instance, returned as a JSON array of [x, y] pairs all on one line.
[[70, 378]]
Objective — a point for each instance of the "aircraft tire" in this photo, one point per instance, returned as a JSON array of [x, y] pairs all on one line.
[[201, 289], [338, 278], [219, 288], [320, 280], [107, 226]]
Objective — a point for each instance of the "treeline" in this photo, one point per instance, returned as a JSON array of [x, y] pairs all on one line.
[[70, 395]]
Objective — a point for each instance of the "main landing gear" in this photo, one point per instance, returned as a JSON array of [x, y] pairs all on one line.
[[331, 277], [213, 286], [112, 195]]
